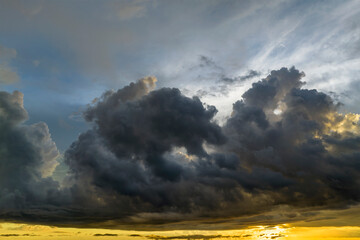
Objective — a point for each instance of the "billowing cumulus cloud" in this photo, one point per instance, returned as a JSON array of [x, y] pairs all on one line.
[[299, 143], [27, 159], [128, 155], [157, 157]]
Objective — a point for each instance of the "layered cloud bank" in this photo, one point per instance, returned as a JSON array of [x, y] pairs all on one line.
[[156, 156]]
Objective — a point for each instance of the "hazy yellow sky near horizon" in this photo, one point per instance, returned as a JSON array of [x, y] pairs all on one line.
[[286, 232], [329, 224]]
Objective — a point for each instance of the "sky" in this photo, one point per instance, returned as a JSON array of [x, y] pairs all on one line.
[[179, 119]]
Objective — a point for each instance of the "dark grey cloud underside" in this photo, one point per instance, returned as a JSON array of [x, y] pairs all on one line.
[[156, 157]]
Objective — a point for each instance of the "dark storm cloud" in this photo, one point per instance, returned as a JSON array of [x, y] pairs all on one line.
[[144, 130], [28, 158], [131, 153], [127, 155], [157, 158], [273, 88], [296, 143]]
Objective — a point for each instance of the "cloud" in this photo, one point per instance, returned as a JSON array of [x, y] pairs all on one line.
[[157, 159], [130, 154], [7, 53], [17, 235], [137, 134], [105, 235], [224, 83], [131, 9], [295, 144], [251, 74], [189, 237], [7, 74], [36, 63], [28, 158]]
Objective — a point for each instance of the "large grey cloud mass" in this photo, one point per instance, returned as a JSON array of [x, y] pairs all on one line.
[[27, 159], [156, 156]]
